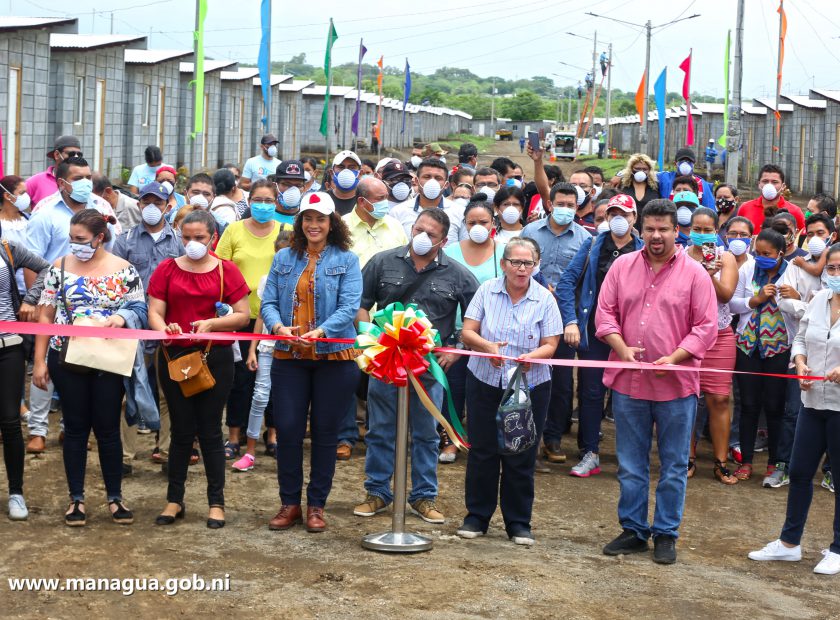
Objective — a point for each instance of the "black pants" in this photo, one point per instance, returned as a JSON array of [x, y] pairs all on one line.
[[816, 430], [199, 415], [90, 401], [482, 488], [12, 371], [757, 393], [242, 390]]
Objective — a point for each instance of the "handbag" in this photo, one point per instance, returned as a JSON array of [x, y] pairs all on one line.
[[82, 354], [190, 370], [515, 428]]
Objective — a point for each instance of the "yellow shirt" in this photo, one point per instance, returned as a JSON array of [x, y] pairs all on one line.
[[385, 234], [252, 254]]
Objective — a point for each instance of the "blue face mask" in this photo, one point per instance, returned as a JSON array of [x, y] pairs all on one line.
[[562, 215], [380, 209], [82, 190], [701, 238], [766, 262], [262, 212], [833, 283]]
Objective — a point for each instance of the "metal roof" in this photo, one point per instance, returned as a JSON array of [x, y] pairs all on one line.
[[294, 86], [94, 41], [321, 90], [834, 95], [805, 102], [243, 73], [770, 104], [10, 23], [153, 57], [209, 66], [276, 79]]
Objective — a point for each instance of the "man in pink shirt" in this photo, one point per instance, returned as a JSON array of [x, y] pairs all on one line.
[[656, 305], [43, 184]]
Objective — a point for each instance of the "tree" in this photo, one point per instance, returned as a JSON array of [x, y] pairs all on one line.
[[525, 106]]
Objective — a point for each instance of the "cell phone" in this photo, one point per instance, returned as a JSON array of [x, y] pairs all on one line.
[[709, 254], [534, 139]]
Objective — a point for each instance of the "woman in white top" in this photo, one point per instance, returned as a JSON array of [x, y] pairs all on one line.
[[816, 352], [509, 203]]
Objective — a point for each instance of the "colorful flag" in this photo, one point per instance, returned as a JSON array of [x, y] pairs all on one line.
[[782, 34], [685, 65], [659, 97], [722, 139], [264, 60], [355, 124], [198, 71], [379, 112], [407, 92], [332, 35], [641, 95]]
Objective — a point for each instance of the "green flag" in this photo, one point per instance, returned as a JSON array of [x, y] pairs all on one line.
[[198, 75], [722, 139], [331, 37]]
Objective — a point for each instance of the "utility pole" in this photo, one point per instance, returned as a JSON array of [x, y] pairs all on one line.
[[643, 137], [775, 152], [609, 98], [112, 22], [493, 111], [592, 113], [733, 140]]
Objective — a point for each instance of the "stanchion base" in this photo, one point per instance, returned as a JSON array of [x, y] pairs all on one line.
[[391, 542]]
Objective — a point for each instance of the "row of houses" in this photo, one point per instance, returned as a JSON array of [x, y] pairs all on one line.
[[118, 97]]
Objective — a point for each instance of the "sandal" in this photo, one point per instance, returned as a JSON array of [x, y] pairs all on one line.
[[692, 466], [122, 515], [76, 517], [231, 450], [744, 472], [722, 473]]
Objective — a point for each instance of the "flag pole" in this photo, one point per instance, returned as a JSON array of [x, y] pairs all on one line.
[[778, 129]]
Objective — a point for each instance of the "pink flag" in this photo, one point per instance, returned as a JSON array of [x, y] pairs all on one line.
[[685, 65]]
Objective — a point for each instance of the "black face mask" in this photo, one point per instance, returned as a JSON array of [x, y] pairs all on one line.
[[724, 205]]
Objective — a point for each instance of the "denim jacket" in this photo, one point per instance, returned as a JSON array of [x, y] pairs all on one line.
[[338, 291]]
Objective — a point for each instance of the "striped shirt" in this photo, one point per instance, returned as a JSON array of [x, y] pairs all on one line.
[[522, 325], [7, 310]]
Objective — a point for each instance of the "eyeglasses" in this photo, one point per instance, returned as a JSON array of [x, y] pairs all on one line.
[[738, 235], [518, 177], [516, 264], [482, 185], [832, 269], [467, 185], [262, 201]]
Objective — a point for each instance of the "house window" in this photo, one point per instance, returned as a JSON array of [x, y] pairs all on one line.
[[79, 108], [146, 107], [515, 127]]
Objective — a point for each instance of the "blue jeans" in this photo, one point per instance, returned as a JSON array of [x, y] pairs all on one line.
[[560, 404], [381, 438], [634, 423], [591, 391], [348, 430], [793, 405], [262, 394]]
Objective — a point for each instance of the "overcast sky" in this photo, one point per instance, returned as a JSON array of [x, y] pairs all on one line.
[[507, 38]]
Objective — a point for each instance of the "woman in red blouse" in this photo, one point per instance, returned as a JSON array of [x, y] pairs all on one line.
[[182, 298]]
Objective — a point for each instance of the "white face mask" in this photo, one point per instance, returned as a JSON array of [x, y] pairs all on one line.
[[199, 202], [82, 251], [416, 161], [479, 234], [598, 190], [603, 227], [166, 185], [401, 191], [816, 246], [195, 250], [581, 195], [684, 216], [442, 158], [619, 225], [489, 192], [422, 244], [769, 192], [510, 215], [291, 197], [272, 151], [685, 168], [152, 215], [22, 202], [640, 176], [738, 247], [306, 176], [460, 202], [432, 189]]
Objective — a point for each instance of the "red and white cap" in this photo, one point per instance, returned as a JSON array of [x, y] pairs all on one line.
[[623, 202], [318, 201]]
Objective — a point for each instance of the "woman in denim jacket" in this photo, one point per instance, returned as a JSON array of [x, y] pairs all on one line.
[[313, 291]]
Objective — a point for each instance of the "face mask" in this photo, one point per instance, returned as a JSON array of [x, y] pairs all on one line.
[[152, 215], [22, 202], [684, 216], [306, 176], [380, 209], [511, 215], [513, 183], [199, 202], [195, 250], [489, 192], [619, 225], [479, 234], [416, 161], [832, 282], [562, 215], [272, 151], [262, 212], [816, 246], [442, 158], [431, 189], [724, 205], [598, 190], [81, 190], [83, 251], [581, 196], [421, 244], [346, 179], [167, 187], [738, 247], [769, 192], [460, 202], [290, 199], [401, 191], [685, 168], [640, 176], [766, 262], [603, 227], [701, 238]]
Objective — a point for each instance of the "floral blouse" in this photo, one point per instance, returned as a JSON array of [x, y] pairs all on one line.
[[96, 296]]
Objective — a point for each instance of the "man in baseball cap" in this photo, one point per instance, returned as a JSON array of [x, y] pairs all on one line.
[[684, 163], [261, 166], [399, 181], [290, 179], [346, 167], [43, 184]]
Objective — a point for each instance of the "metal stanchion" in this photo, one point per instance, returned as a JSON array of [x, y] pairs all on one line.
[[398, 540]]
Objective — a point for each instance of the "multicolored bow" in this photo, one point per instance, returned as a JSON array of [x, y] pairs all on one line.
[[397, 348]]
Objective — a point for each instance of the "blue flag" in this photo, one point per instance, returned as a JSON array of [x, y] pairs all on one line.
[[264, 59], [659, 97], [407, 92], [355, 123]]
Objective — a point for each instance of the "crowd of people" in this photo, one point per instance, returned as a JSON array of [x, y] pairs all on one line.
[[665, 267]]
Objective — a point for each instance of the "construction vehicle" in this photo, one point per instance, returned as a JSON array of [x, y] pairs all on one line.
[[504, 134]]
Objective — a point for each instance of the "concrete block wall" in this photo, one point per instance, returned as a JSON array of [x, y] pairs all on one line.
[[234, 137]]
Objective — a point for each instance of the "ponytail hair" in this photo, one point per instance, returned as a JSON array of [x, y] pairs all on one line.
[[95, 222]]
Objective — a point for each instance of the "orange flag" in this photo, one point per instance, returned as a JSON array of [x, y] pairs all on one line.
[[641, 95], [379, 85], [782, 33]]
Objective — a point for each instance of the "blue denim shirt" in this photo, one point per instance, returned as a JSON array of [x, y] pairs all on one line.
[[338, 291]]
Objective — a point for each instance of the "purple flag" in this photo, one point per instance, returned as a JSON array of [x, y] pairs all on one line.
[[355, 124]]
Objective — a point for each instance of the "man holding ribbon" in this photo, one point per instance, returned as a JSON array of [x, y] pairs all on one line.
[[421, 274], [656, 305]]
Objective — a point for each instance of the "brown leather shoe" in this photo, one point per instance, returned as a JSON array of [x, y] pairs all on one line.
[[36, 445], [343, 452], [315, 519], [288, 516]]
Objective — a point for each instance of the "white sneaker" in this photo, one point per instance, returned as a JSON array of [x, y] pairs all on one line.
[[17, 508], [447, 457], [829, 565], [589, 465], [776, 551]]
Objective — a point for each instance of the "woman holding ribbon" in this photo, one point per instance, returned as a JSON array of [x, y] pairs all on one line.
[[183, 297], [89, 282], [312, 291], [511, 315]]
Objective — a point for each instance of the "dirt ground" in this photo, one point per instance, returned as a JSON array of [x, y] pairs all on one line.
[[296, 574]]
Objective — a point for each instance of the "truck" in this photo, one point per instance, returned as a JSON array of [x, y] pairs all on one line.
[[504, 134], [567, 146]]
